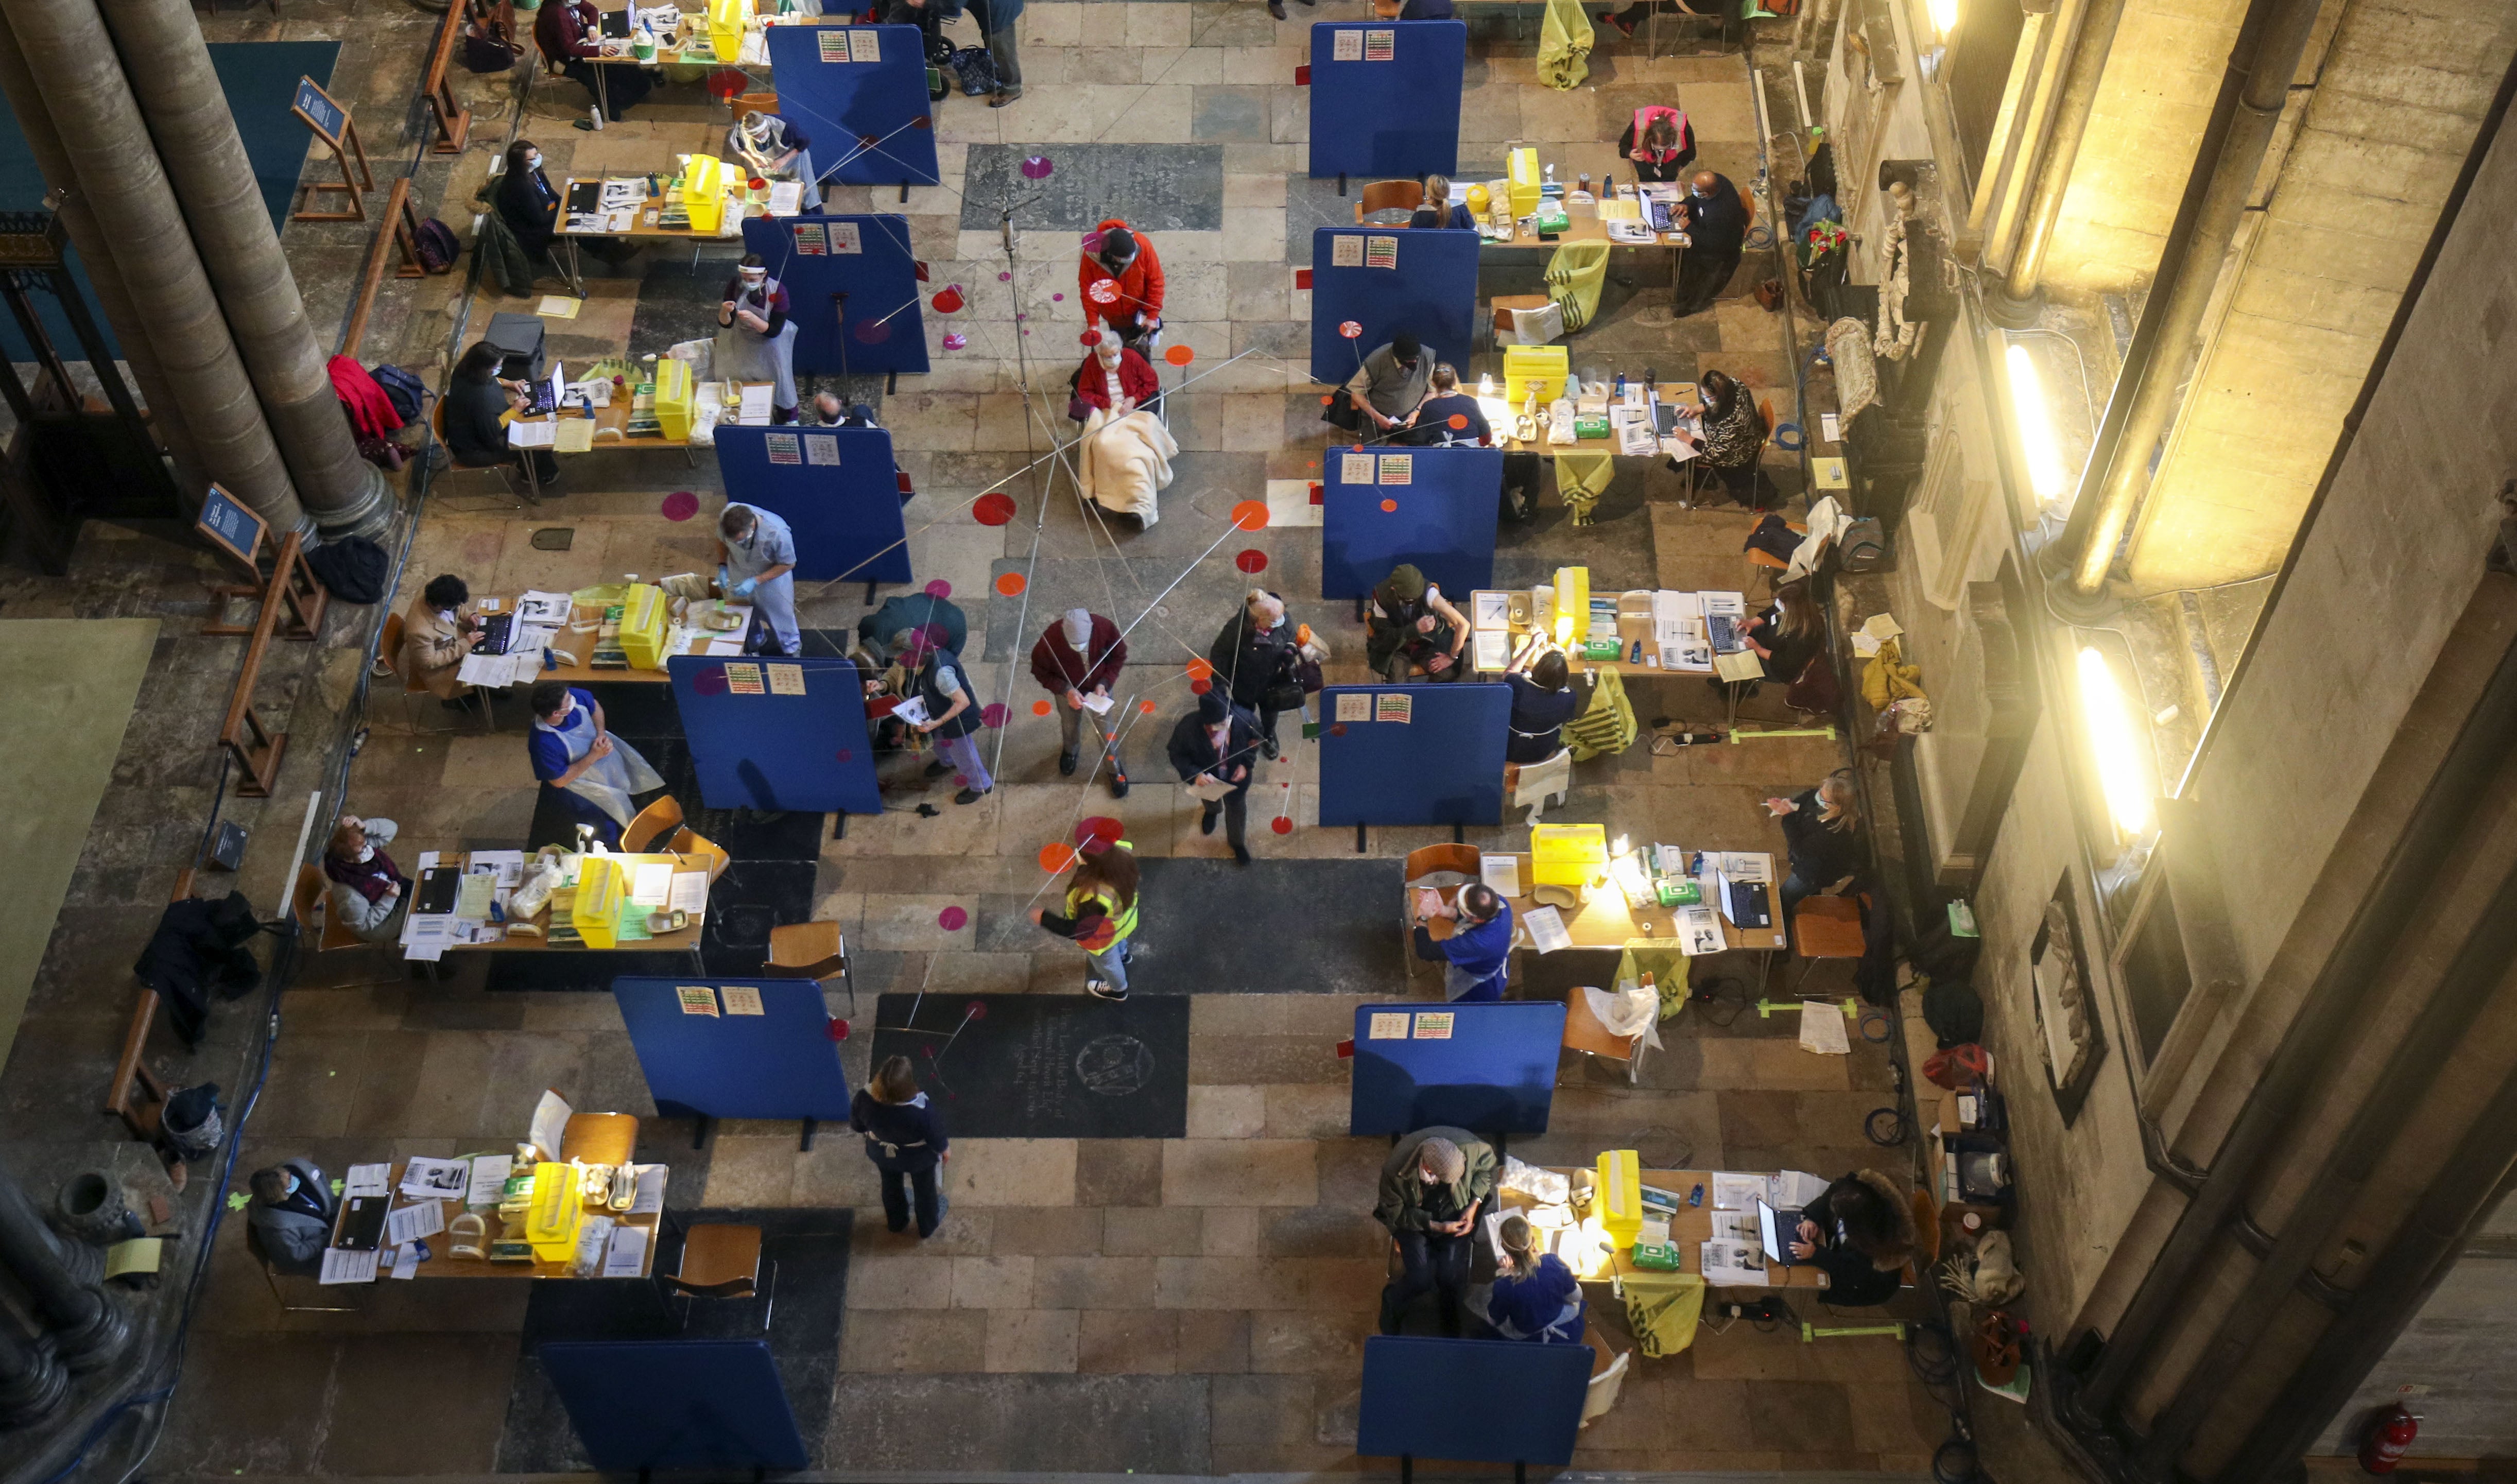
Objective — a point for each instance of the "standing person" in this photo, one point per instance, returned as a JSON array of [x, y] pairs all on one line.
[[1477, 959], [369, 894], [774, 149], [755, 341], [437, 635], [571, 31], [292, 1213], [1411, 624], [905, 1139], [1100, 914], [1218, 748], [1733, 436], [1385, 390], [1717, 231], [477, 403], [1076, 657], [1542, 702], [1115, 379], [1822, 838], [1276, 8], [938, 680], [1254, 659], [1860, 1234], [996, 19], [1432, 1187], [1535, 1296], [525, 200], [574, 754], [755, 558], [1429, 425], [1121, 282], [930, 18], [1438, 209], [1660, 142]]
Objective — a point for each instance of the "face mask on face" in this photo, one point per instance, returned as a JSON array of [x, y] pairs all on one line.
[[532, 162], [367, 853]]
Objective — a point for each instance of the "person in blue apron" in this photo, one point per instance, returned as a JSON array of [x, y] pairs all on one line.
[[755, 558], [595, 772], [1476, 957], [905, 1140], [755, 341]]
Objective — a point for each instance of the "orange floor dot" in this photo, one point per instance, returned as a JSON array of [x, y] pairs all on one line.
[[1011, 584], [1251, 515], [1388, 505], [1040, 708], [1056, 855]]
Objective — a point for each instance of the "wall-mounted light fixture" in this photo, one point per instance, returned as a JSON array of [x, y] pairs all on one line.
[[2126, 772], [2046, 474]]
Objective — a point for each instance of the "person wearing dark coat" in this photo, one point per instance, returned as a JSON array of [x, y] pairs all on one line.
[[1822, 839], [1535, 1296], [905, 1140], [476, 401], [1542, 702], [1732, 441], [526, 201], [1220, 744], [1717, 231], [1075, 659], [1860, 1234], [291, 1216], [1433, 1187], [572, 30], [1255, 654]]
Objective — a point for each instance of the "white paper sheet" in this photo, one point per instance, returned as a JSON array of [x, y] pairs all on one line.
[[342, 1265], [626, 1257], [405, 1261], [689, 892], [488, 1180], [1500, 873], [409, 1223], [1098, 703], [367, 1180], [1823, 1027], [550, 1124], [1546, 927], [426, 1178], [651, 883], [1733, 1191], [650, 1191], [538, 607], [541, 433], [754, 412]]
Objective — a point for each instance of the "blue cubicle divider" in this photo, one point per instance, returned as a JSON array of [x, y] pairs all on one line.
[[1441, 766], [777, 734], [1429, 287], [851, 289], [859, 94], [1480, 1401], [1492, 1068], [1442, 519], [1391, 107], [837, 491], [778, 1064], [675, 1404]]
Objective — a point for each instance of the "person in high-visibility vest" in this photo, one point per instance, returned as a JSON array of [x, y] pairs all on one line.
[[1100, 914]]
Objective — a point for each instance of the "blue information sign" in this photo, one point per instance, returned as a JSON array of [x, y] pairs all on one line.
[[232, 526]]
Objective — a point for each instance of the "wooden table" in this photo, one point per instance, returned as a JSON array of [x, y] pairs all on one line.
[[1681, 394], [584, 673], [1688, 1230], [684, 941], [612, 431], [442, 1263], [1604, 921]]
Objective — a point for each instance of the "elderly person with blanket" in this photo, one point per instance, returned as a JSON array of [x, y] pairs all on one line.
[[1125, 457]]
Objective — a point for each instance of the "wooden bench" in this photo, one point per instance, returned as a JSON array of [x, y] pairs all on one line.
[[400, 229], [137, 1096]]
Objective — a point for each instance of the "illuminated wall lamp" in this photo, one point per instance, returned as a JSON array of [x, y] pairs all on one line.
[[2046, 475], [2125, 770]]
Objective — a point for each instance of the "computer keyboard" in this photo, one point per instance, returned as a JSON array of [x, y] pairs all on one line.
[[1725, 634]]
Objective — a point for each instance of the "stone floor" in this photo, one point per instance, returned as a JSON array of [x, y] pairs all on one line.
[[1175, 1306]]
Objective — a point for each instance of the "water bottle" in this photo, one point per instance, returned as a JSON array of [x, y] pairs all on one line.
[[1621, 386]]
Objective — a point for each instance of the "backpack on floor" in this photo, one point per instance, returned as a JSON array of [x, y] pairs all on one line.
[[976, 69], [438, 247], [1862, 546], [404, 390]]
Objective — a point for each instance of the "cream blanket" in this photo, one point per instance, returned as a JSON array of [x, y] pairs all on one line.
[[1126, 461]]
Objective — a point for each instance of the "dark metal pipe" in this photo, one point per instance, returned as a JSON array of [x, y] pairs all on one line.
[[187, 111], [2467, 988], [2459, 1198], [31, 1381], [86, 1324], [2412, 865], [115, 168], [2016, 303]]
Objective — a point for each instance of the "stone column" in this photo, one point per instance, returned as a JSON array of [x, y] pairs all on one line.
[[86, 1324]]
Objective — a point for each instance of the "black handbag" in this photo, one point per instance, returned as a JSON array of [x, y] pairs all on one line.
[[1284, 695], [1342, 411]]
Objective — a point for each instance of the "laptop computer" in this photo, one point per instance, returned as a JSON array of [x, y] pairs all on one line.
[[362, 1223], [546, 393], [497, 631], [1774, 1232]]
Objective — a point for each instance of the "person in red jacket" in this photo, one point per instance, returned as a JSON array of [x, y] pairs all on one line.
[[1120, 281], [1075, 660], [1115, 379]]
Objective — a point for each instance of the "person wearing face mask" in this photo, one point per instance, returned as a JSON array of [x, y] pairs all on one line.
[[755, 341], [476, 398], [1120, 278], [526, 201], [1658, 142], [596, 775], [1255, 660], [1732, 442], [1433, 1187], [436, 634], [369, 894], [755, 558], [832, 410], [776, 149], [1477, 959], [1115, 379], [1716, 229], [570, 32], [292, 1215], [1386, 388], [1822, 839]]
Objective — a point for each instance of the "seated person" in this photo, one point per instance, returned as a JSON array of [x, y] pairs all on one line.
[[1385, 389], [1114, 378], [1786, 636], [1440, 210], [1535, 1296], [1476, 957], [1433, 1186], [1410, 623], [292, 1215], [1733, 436], [1860, 1234], [832, 410], [437, 635], [1542, 702], [477, 403], [574, 756], [1433, 423], [526, 201], [1659, 142], [570, 34], [369, 894]]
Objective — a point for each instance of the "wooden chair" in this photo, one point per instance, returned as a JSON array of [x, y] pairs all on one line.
[[270, 1276], [1584, 1033], [1767, 560], [316, 921], [1504, 305], [1387, 195], [690, 842], [599, 1138], [754, 102], [1424, 862], [720, 1260], [816, 951], [1826, 927], [653, 821], [437, 428], [1608, 1372]]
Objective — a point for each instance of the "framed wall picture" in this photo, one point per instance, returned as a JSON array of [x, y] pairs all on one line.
[[2070, 1034]]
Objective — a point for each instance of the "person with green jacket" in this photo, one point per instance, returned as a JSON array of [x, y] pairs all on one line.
[[1433, 1186]]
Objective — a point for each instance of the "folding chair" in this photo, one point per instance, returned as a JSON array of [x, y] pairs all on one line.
[[1826, 927], [816, 951], [721, 1260], [653, 821]]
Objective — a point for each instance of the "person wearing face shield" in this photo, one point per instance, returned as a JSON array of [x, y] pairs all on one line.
[[1433, 1186], [1120, 280], [755, 341], [755, 556], [1716, 229], [773, 149]]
